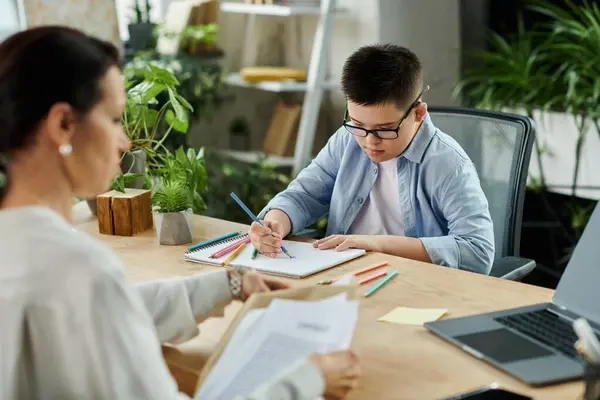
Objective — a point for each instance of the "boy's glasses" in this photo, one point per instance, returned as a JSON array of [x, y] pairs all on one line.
[[384, 134]]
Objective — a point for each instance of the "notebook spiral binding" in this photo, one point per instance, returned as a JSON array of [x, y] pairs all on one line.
[[219, 243]]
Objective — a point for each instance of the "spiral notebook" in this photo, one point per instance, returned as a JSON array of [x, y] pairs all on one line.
[[307, 260]]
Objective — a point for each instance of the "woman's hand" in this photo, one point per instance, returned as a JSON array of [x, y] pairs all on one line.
[[340, 370], [344, 242], [253, 282], [261, 238]]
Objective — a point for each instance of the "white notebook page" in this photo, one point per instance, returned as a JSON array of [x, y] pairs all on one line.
[[307, 259]]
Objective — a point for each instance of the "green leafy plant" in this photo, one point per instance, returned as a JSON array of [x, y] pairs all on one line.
[[186, 168], [556, 67], [191, 34], [574, 46], [141, 13], [172, 196], [199, 78], [145, 122], [121, 181], [254, 184], [515, 73]]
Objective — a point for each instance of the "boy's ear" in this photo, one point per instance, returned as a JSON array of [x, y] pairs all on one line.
[[420, 112]]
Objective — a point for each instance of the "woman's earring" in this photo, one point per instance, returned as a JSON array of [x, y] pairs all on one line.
[[65, 149]]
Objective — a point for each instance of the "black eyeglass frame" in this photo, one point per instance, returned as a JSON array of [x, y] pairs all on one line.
[[349, 127]]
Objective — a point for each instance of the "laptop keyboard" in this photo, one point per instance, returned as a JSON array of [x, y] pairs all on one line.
[[545, 327]]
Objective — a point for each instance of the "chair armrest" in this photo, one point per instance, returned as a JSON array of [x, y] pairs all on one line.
[[512, 268]]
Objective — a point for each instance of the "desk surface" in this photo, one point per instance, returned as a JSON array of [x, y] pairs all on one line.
[[399, 361]]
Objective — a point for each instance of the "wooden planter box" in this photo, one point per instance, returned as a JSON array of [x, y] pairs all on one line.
[[124, 214]]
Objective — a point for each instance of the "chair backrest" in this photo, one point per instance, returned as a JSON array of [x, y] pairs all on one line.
[[499, 144]]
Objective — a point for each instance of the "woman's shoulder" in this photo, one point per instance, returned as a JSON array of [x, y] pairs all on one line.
[[50, 245]]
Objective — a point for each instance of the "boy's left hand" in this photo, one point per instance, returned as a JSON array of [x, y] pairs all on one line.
[[344, 242]]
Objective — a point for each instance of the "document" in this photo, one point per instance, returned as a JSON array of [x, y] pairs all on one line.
[[269, 340]]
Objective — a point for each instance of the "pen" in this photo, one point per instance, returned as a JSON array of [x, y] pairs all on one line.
[[215, 240], [233, 255], [255, 218], [381, 282], [358, 272], [254, 253], [588, 341]]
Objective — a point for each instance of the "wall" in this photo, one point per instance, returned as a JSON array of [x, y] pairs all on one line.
[[9, 18], [558, 133], [431, 28], [95, 17]]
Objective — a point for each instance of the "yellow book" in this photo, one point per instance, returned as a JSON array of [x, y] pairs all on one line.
[[258, 74]]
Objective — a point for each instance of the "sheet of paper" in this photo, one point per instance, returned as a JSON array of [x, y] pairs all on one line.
[[307, 260], [275, 338], [413, 316]]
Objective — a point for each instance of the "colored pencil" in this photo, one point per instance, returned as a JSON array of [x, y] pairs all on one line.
[[373, 276], [254, 253], [215, 240], [255, 218], [357, 272], [229, 248], [381, 282], [233, 255]]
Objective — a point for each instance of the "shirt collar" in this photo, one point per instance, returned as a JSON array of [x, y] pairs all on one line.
[[417, 147]]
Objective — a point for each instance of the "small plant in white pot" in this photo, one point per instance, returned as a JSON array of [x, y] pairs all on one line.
[[172, 212]]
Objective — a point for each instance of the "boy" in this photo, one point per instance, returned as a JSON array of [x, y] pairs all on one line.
[[389, 180]]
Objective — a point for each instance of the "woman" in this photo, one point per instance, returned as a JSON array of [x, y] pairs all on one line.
[[72, 327]]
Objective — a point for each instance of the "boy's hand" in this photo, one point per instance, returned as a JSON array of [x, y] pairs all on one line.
[[261, 238], [344, 242]]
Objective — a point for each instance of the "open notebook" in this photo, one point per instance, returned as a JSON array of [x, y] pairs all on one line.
[[307, 260]]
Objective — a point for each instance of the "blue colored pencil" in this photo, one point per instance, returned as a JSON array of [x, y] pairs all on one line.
[[255, 218], [215, 240], [381, 282]]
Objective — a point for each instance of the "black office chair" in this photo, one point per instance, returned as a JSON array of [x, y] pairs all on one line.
[[499, 144]]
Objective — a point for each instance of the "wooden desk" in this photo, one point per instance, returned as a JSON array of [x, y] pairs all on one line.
[[399, 362]]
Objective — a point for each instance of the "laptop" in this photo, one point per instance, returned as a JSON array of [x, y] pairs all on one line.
[[535, 343]]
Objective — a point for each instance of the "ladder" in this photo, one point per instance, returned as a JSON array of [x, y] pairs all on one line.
[[314, 86]]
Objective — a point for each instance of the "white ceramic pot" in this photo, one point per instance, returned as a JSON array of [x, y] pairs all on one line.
[[174, 228]]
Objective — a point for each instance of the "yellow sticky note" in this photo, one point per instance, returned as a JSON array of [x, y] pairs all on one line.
[[413, 316]]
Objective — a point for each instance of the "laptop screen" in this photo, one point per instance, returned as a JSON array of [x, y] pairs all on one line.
[[579, 287]]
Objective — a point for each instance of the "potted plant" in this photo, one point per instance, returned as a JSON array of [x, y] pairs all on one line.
[[180, 182], [141, 29], [172, 212], [550, 68], [146, 124]]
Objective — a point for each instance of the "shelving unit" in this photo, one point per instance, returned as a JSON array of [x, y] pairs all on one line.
[[273, 86], [269, 9], [313, 88], [251, 157]]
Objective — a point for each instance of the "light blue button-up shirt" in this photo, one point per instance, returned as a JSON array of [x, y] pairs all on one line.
[[441, 199]]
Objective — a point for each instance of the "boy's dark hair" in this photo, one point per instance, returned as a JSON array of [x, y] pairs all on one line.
[[382, 73]]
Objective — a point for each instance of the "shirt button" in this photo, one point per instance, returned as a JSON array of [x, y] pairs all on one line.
[[359, 200], [374, 170]]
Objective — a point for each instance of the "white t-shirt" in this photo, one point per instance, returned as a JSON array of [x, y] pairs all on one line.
[[74, 328], [380, 213]]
